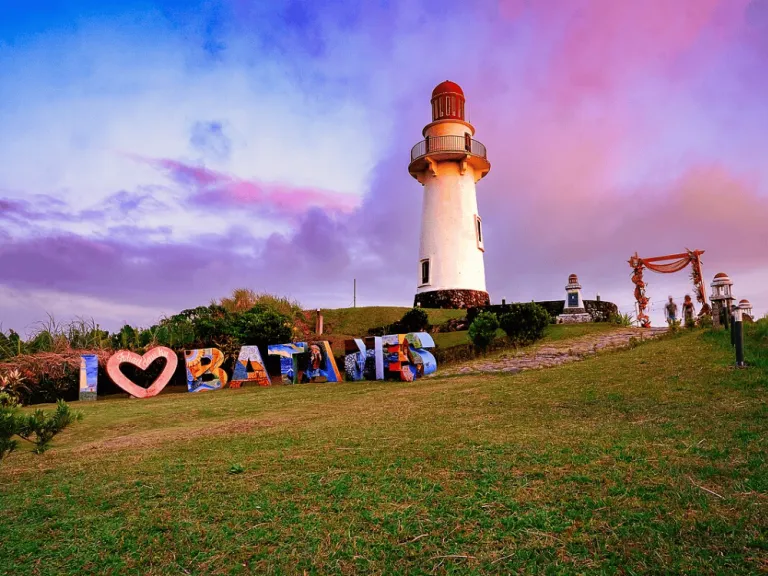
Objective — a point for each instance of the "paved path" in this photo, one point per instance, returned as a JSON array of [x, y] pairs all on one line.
[[552, 354]]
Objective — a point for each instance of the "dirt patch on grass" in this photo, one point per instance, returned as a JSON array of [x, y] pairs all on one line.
[[151, 438]]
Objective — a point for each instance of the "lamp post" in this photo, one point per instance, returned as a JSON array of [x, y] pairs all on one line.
[[738, 336]]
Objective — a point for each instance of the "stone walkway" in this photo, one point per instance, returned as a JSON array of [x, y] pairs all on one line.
[[553, 354]]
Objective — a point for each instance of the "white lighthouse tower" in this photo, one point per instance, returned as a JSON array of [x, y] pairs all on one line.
[[448, 163]]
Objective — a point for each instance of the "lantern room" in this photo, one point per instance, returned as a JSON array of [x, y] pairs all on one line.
[[447, 102]]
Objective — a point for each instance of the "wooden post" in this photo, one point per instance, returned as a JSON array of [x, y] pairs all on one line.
[[319, 323]]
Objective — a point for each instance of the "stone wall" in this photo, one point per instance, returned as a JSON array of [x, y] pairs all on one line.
[[451, 299], [600, 310]]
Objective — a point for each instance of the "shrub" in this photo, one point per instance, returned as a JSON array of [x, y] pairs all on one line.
[[14, 384], [705, 321], [524, 323], [8, 424], [38, 428], [483, 329], [415, 320], [261, 326], [44, 425], [622, 319]]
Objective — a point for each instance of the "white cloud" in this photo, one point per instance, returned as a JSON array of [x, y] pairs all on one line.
[[76, 103], [17, 307]]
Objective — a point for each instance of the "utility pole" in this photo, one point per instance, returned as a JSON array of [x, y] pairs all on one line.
[[354, 293]]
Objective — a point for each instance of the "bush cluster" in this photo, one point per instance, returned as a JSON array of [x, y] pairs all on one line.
[[525, 323]]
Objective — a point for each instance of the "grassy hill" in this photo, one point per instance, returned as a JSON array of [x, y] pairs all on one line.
[[649, 460], [357, 321]]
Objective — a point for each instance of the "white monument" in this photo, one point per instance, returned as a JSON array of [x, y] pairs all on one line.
[[448, 163], [574, 310], [722, 299]]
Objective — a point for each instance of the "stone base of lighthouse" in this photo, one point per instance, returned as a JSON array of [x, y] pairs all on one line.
[[452, 299]]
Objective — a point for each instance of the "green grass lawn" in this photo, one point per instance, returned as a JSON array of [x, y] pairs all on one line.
[[558, 332], [554, 333], [649, 460]]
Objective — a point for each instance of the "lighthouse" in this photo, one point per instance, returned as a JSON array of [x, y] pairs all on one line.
[[448, 163]]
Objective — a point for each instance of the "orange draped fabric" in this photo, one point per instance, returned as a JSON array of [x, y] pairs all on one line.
[[675, 266]]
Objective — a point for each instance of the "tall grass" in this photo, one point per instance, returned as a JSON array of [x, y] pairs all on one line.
[[53, 336], [243, 299]]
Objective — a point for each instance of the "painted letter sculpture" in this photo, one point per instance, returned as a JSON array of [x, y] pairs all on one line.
[[249, 368], [204, 370], [395, 357], [89, 375], [142, 362]]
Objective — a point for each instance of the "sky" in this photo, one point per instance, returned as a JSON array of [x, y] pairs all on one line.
[[155, 155]]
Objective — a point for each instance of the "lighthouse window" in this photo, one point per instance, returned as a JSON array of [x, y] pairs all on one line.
[[425, 271], [448, 105], [440, 106], [479, 230]]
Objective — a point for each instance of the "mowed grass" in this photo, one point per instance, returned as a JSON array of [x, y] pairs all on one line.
[[649, 460], [553, 333], [558, 332]]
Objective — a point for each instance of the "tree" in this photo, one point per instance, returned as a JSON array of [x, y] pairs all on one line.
[[483, 329]]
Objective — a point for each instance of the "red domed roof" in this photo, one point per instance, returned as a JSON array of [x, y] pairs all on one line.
[[573, 279], [744, 301], [447, 87], [721, 275]]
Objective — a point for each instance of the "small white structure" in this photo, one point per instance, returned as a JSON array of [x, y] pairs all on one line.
[[574, 310], [746, 310], [722, 299], [448, 163]]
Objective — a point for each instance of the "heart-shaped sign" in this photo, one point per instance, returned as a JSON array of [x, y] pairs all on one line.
[[142, 362]]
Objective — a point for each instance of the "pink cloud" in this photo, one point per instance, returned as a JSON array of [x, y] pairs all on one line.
[[593, 47], [217, 188]]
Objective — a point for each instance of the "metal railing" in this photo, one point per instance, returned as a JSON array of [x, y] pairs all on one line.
[[448, 144]]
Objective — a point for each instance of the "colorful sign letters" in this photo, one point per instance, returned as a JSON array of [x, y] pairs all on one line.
[[142, 362], [306, 362], [398, 356]]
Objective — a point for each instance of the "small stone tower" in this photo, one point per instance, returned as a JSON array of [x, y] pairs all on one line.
[[448, 163], [573, 311]]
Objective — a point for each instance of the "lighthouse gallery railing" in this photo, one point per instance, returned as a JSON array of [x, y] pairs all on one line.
[[448, 144]]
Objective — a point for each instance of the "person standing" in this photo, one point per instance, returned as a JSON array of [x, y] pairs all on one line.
[[688, 310], [671, 311]]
